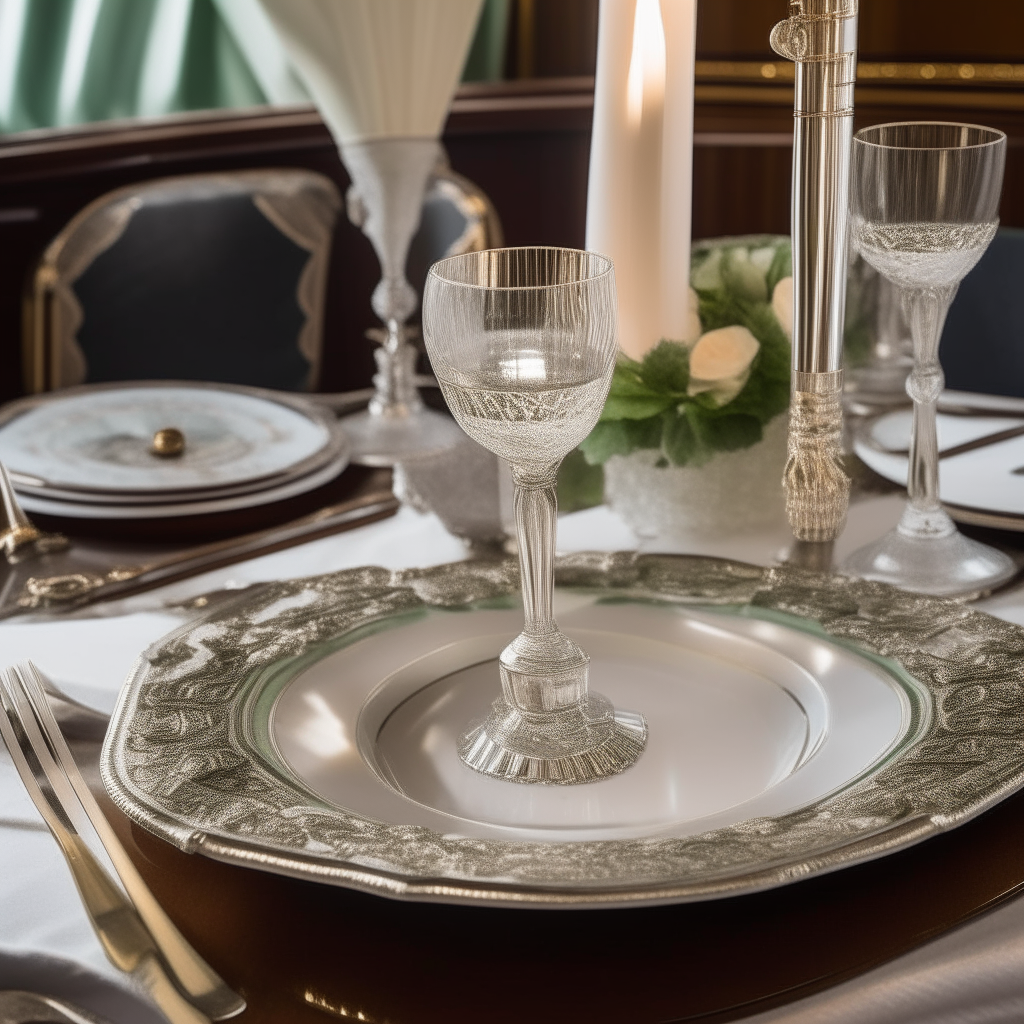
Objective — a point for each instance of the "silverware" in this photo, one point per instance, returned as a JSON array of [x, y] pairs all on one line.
[[30, 1008], [958, 449], [73, 589], [950, 407], [19, 539], [136, 934]]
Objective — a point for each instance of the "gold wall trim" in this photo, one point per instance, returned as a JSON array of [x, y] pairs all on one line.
[[907, 85], [900, 73]]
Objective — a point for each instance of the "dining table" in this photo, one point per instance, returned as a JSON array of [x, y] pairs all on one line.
[[971, 972]]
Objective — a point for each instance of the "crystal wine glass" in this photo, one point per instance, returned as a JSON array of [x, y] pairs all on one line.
[[924, 206], [523, 344]]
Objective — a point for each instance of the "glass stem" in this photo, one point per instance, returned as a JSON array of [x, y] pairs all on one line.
[[395, 380], [926, 310], [535, 503]]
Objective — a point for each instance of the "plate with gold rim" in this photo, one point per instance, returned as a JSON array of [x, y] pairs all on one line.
[[798, 723]]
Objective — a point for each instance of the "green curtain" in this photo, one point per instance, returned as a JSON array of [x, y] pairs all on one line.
[[65, 62]]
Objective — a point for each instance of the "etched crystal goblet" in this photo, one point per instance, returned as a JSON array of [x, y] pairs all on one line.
[[523, 343], [924, 206]]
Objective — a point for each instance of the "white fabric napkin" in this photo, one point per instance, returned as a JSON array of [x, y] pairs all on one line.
[[972, 975]]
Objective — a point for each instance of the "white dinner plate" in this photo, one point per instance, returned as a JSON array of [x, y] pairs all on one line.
[[201, 505], [797, 723], [94, 441], [984, 485]]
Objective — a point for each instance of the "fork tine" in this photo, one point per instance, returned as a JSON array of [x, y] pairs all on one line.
[[194, 976], [125, 939], [28, 1006]]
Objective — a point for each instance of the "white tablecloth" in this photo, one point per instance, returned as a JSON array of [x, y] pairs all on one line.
[[974, 974]]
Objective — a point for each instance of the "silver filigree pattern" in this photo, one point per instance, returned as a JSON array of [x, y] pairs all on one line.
[[816, 485], [179, 759]]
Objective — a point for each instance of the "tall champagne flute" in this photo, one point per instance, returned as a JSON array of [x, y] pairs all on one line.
[[924, 206], [523, 345]]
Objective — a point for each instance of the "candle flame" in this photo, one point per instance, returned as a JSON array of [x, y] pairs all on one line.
[[647, 62]]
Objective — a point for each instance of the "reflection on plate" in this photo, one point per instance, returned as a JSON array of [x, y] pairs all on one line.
[[199, 506], [980, 486], [87, 443], [799, 723]]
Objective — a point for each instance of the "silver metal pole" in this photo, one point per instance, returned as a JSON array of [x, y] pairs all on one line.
[[820, 36]]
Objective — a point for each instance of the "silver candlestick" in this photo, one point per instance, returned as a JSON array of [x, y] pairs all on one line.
[[820, 36]]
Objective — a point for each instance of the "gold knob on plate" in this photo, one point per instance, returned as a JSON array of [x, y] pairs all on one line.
[[168, 443]]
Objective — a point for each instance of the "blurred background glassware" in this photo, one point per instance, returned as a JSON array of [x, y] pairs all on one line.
[[523, 342], [924, 207], [382, 73], [469, 489], [390, 177], [878, 352]]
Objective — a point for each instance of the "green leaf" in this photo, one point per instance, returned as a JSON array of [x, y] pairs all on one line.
[[725, 433], [580, 485], [620, 437], [642, 390], [720, 309], [782, 266], [631, 399], [666, 368], [707, 274], [679, 443], [742, 276], [648, 406]]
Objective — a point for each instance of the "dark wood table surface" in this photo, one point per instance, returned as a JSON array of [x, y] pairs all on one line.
[[303, 952]]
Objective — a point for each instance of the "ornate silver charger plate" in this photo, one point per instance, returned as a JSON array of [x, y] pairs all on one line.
[[798, 723]]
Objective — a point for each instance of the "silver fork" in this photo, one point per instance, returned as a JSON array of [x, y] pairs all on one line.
[[30, 1008], [136, 934]]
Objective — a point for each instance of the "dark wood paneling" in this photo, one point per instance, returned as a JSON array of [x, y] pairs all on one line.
[[940, 30], [558, 37], [526, 143]]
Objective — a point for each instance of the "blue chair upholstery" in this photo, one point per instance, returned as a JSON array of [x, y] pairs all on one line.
[[982, 345], [216, 277]]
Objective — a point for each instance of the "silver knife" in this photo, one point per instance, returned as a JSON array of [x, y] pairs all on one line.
[[27, 589]]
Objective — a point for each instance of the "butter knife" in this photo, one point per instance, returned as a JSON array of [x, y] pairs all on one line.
[[73, 589]]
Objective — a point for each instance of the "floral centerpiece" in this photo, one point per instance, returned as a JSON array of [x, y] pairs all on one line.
[[692, 436]]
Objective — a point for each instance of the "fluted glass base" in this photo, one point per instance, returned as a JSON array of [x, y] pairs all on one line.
[[926, 553], [547, 726], [588, 741]]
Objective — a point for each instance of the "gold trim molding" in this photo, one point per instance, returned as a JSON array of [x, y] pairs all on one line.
[[867, 72], [769, 83]]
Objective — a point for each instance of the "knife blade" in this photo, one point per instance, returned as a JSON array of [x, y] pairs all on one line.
[[30, 589]]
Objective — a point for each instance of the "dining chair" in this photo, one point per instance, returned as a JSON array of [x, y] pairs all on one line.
[[219, 277], [458, 217], [982, 345], [215, 277]]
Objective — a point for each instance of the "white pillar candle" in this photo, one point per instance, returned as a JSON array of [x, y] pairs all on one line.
[[641, 165]]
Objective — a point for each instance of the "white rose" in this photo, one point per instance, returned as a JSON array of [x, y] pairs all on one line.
[[782, 304], [720, 363]]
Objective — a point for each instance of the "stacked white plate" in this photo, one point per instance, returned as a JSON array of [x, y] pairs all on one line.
[[87, 453]]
